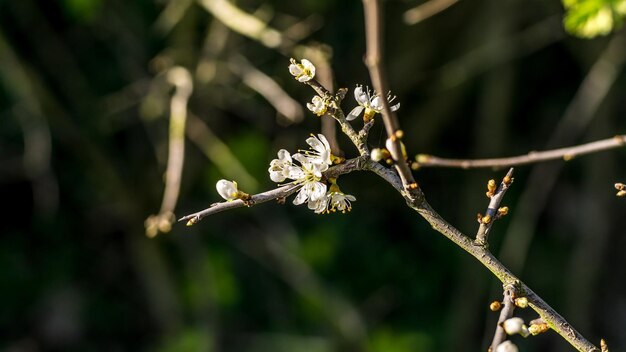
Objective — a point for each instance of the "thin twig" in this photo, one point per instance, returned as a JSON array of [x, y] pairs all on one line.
[[507, 312], [424, 160], [274, 194], [492, 212], [426, 10], [374, 62]]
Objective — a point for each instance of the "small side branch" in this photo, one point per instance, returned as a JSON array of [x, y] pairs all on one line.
[[351, 165], [424, 160], [506, 313], [493, 210], [278, 193], [374, 62]]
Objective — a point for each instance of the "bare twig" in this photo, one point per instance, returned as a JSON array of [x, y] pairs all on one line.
[[374, 61], [426, 10], [493, 212], [566, 154], [507, 312]]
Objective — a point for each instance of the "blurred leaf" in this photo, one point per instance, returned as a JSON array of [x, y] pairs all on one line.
[[81, 10], [591, 18], [385, 340], [189, 340]]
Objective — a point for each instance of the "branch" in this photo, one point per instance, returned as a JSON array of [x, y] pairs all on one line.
[[486, 258], [374, 61], [274, 194], [493, 211], [507, 312], [424, 160]]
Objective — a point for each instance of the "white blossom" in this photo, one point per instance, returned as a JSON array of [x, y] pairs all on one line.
[[369, 102], [279, 168], [317, 106], [321, 151], [514, 326], [507, 346], [227, 189], [311, 191], [339, 201], [303, 71]]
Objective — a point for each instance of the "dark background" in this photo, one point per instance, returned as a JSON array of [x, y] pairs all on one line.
[[83, 148]]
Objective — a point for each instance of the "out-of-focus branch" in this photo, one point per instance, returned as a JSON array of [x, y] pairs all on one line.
[[578, 115], [507, 312], [37, 140], [569, 153], [244, 23], [374, 61], [171, 15], [181, 79], [426, 10], [493, 210], [218, 152], [267, 88]]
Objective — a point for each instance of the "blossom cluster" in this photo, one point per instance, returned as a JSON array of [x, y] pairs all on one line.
[[307, 173]]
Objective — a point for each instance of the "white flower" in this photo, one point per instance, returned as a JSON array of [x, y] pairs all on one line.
[[507, 346], [320, 206], [321, 151], [514, 326], [372, 104], [303, 71], [339, 201], [279, 168], [317, 106], [311, 191], [227, 189]]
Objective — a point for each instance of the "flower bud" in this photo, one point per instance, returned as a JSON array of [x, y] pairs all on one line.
[[495, 306], [521, 302], [515, 326], [507, 346], [227, 189]]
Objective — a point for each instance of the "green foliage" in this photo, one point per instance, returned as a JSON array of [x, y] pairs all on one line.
[[591, 18]]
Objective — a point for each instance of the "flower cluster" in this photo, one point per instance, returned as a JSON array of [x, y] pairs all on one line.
[[371, 103], [308, 174]]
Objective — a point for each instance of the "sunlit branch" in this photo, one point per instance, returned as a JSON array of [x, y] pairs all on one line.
[[274, 194], [374, 62], [424, 160]]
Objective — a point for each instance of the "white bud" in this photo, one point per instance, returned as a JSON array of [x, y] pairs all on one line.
[[377, 154], [227, 189], [515, 326], [507, 346]]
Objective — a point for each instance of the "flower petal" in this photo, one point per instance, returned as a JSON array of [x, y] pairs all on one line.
[[354, 113]]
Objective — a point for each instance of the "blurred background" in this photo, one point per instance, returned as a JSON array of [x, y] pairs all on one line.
[[90, 90]]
